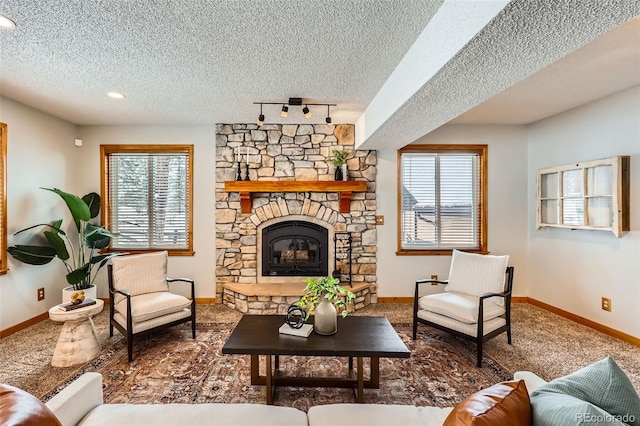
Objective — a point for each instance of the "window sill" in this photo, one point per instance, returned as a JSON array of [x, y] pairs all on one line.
[[436, 252], [140, 251]]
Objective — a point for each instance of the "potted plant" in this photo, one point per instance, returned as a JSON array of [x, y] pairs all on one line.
[[339, 160], [320, 295], [80, 257]]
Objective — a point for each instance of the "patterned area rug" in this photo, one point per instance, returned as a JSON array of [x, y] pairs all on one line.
[[173, 368]]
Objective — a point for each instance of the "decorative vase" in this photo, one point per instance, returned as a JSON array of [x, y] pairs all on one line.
[[337, 174], [345, 173], [89, 293], [326, 320]]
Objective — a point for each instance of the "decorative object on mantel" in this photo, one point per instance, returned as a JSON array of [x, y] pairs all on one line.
[[239, 175], [339, 161], [293, 102], [320, 295], [344, 188]]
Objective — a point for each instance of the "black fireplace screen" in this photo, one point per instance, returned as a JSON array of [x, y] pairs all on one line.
[[295, 248]]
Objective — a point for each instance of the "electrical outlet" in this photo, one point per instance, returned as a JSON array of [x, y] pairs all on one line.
[[379, 219], [40, 294], [606, 304], [434, 277]]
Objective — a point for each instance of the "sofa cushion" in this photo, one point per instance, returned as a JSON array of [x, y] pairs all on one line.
[[602, 384], [153, 305], [19, 408], [476, 274], [505, 403], [140, 273], [194, 414], [459, 306], [552, 409], [375, 415]]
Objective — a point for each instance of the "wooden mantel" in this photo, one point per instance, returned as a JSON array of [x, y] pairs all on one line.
[[343, 188]]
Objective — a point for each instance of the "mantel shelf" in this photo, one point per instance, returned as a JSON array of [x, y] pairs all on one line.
[[344, 188]]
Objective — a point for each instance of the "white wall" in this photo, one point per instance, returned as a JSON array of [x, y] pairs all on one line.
[[507, 180], [201, 266], [40, 153], [572, 270]]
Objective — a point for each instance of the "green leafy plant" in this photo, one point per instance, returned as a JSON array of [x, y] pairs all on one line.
[[325, 287], [339, 157], [80, 258]]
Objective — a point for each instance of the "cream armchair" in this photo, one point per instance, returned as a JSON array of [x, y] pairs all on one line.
[[141, 302], [476, 302]]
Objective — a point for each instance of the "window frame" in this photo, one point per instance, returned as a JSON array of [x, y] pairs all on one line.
[[105, 211], [482, 151], [4, 266]]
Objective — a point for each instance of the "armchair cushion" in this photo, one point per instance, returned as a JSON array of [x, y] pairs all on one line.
[[152, 305], [459, 306], [140, 274], [476, 274]]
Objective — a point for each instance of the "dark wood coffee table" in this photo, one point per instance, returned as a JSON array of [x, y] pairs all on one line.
[[357, 337]]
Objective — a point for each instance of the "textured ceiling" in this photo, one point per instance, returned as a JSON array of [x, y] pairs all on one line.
[[203, 61], [196, 62]]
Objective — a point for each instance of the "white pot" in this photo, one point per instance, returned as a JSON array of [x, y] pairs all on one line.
[[325, 318], [89, 293], [345, 172]]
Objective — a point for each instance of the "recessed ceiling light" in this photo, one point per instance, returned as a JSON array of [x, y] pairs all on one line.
[[6, 23], [116, 95]]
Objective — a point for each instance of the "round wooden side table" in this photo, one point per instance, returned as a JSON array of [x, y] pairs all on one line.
[[78, 340]]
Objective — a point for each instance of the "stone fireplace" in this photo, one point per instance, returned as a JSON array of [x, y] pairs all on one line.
[[268, 242]]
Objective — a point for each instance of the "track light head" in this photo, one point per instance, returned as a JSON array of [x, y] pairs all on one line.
[[328, 120], [307, 112], [285, 111], [260, 121]]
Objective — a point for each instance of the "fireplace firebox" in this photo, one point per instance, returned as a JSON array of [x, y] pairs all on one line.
[[295, 248]]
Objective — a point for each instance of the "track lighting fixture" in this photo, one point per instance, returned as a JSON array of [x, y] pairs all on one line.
[[260, 121], [284, 112]]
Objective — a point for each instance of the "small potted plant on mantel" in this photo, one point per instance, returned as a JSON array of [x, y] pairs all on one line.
[[339, 161], [320, 296], [80, 258]]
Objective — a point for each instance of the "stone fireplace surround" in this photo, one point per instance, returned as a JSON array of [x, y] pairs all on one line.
[[287, 153]]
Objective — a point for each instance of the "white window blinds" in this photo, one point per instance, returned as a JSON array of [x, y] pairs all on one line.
[[149, 200], [440, 201]]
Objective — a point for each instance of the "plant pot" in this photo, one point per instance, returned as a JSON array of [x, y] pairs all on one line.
[[325, 320], [89, 293], [337, 173], [345, 172]]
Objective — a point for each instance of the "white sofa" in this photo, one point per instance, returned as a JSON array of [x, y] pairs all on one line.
[[81, 403]]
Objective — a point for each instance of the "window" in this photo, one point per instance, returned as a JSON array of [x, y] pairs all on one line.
[[147, 197], [442, 199], [590, 195], [3, 199]]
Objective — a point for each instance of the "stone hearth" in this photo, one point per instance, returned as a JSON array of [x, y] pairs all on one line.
[[289, 153]]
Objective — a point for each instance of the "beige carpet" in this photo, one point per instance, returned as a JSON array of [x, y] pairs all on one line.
[[543, 342]]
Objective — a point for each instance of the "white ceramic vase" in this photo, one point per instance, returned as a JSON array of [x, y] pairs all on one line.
[[89, 293], [326, 320], [345, 172]]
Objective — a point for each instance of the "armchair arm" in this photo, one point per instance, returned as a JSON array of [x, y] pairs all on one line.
[[424, 281], [186, 280], [488, 295], [122, 292], [76, 400]]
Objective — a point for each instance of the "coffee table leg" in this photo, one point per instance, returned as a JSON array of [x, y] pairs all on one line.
[[360, 396], [375, 373], [269, 384], [350, 364], [255, 369]]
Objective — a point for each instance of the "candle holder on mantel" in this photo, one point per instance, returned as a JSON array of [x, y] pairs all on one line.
[[239, 175]]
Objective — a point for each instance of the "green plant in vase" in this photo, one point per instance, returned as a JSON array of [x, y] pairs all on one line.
[[325, 287], [80, 257], [338, 159]]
